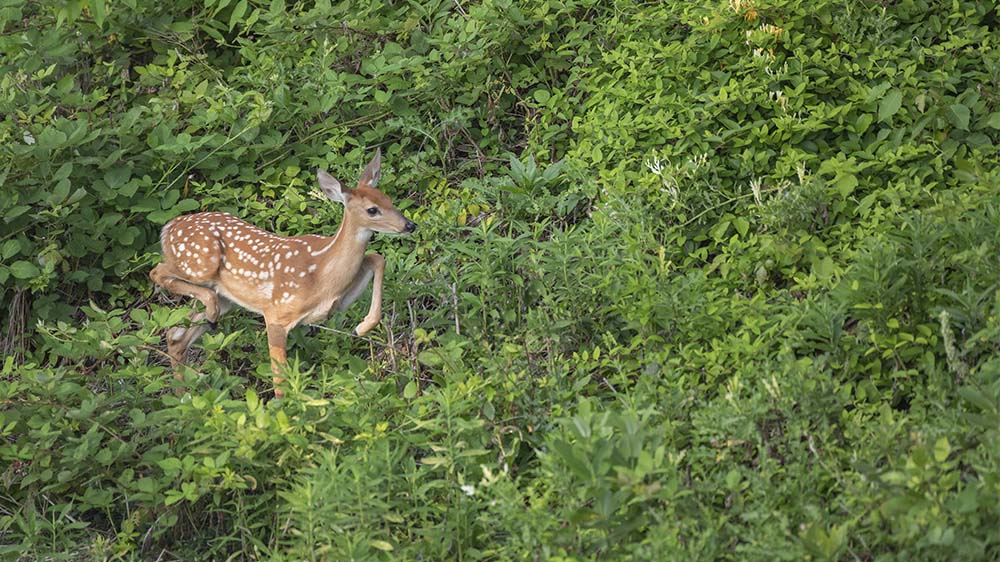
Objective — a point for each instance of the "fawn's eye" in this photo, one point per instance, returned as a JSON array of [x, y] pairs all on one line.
[[372, 211]]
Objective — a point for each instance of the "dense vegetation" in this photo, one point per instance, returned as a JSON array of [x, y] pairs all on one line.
[[713, 281]]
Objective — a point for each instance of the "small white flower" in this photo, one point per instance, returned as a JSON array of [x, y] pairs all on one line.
[[655, 165], [468, 489], [755, 187], [28, 138], [695, 164], [800, 171]]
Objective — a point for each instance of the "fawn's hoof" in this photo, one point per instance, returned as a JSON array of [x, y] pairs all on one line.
[[175, 334], [365, 326]]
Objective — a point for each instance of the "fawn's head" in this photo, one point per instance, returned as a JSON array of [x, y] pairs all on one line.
[[369, 208]]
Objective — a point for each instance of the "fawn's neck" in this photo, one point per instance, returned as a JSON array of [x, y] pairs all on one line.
[[347, 249]]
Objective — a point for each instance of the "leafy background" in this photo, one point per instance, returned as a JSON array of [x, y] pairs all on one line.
[[708, 280]]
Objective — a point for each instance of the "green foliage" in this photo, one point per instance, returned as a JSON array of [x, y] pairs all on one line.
[[693, 281]]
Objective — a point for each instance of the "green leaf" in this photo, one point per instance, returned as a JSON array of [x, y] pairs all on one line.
[[213, 33], [104, 457], [129, 189], [959, 116], [117, 176], [252, 400], [10, 249], [571, 458], [59, 192], [99, 10], [824, 268], [942, 449], [863, 122], [890, 104], [845, 184], [51, 138], [147, 485], [718, 231], [542, 96], [966, 501], [381, 545], [171, 465], [411, 390], [977, 398], [15, 212], [24, 269], [733, 479], [237, 14], [434, 461], [877, 92], [993, 120], [742, 226], [185, 205], [173, 496], [430, 357], [160, 217], [63, 172]]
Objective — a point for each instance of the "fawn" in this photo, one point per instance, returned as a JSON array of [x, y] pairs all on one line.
[[221, 260]]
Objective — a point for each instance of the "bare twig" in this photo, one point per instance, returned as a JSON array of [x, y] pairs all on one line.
[[349, 334], [454, 302]]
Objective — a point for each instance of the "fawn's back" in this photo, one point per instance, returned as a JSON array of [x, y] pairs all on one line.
[[246, 264]]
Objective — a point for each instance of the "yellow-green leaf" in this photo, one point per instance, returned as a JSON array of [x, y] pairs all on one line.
[[941, 449], [411, 390], [845, 184]]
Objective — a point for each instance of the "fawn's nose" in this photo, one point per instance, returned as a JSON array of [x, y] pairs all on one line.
[[410, 226]]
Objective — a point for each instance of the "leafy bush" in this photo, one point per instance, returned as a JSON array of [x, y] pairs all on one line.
[[693, 281]]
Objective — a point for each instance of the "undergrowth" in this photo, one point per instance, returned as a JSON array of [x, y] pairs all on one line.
[[708, 281]]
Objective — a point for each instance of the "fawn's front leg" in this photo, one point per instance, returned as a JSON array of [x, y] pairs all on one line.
[[373, 267], [277, 339]]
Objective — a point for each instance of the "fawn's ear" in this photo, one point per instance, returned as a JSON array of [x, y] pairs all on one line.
[[331, 187], [373, 171]]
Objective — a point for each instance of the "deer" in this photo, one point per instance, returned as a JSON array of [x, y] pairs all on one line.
[[222, 261]]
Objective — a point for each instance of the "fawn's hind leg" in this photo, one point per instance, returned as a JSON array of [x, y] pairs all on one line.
[[180, 338], [168, 278]]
